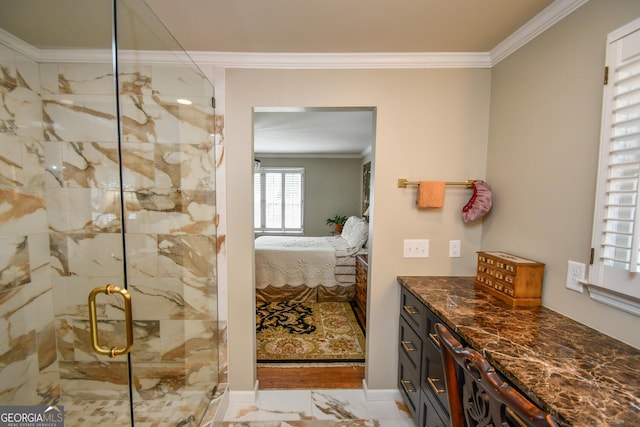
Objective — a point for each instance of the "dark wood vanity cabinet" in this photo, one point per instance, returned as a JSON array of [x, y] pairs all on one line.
[[480, 317], [420, 372]]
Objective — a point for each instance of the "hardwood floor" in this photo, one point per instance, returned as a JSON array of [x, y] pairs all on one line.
[[310, 377]]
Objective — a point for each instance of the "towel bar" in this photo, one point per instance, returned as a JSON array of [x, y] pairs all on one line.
[[403, 183]]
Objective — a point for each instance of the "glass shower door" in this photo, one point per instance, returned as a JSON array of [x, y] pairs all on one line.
[[168, 164]]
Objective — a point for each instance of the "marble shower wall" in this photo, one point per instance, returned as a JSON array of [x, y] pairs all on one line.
[[61, 229], [28, 361]]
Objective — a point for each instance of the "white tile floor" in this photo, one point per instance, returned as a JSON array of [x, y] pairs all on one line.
[[315, 408]]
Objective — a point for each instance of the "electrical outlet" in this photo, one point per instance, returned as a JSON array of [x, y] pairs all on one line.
[[416, 248], [454, 248], [575, 273]]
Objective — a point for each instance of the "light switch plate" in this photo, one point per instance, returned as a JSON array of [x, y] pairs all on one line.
[[416, 248]]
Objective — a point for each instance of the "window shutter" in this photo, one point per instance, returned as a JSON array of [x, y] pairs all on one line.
[[293, 200], [273, 197], [616, 237], [620, 239], [278, 200], [257, 200]]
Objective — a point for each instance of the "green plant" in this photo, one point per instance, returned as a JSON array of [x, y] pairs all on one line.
[[337, 220]]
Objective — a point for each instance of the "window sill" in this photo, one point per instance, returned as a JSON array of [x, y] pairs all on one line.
[[614, 299]]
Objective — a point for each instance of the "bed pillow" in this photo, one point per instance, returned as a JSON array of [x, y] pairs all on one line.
[[355, 232], [349, 227]]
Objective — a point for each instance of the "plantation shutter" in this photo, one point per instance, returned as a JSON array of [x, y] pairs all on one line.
[[257, 200], [620, 239], [273, 200], [293, 200], [278, 199], [617, 225]]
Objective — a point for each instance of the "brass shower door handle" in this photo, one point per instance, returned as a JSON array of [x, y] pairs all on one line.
[[93, 320]]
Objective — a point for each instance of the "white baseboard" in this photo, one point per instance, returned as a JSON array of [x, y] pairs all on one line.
[[248, 396], [380, 394]]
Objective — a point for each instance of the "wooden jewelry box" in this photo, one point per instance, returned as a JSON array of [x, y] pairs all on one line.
[[514, 280]]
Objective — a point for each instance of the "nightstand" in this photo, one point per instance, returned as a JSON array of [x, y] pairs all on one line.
[[360, 303]]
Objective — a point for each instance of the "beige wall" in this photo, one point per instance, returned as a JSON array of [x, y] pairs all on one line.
[[431, 124], [331, 186], [546, 102]]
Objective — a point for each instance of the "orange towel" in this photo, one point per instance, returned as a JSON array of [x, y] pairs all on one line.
[[430, 194]]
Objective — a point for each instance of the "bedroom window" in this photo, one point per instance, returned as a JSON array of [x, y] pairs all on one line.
[[614, 277], [278, 200]]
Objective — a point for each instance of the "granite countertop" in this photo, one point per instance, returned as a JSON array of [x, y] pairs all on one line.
[[583, 377]]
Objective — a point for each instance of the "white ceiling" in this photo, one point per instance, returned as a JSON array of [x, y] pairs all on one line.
[[317, 132], [344, 25]]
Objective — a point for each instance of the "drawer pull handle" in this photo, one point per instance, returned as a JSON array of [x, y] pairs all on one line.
[[435, 339], [408, 346], [410, 309], [434, 387], [408, 386]]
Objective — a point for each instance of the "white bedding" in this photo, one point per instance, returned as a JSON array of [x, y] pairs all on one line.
[[304, 261]]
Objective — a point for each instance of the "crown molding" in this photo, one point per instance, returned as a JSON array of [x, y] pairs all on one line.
[[13, 42], [553, 13], [343, 60]]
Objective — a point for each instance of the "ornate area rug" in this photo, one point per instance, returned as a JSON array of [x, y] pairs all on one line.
[[308, 332]]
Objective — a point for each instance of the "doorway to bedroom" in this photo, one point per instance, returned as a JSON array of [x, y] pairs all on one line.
[[312, 171]]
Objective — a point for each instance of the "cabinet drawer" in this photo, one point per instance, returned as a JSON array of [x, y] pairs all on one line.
[[410, 344], [413, 312], [433, 373], [430, 321], [430, 414], [409, 385]]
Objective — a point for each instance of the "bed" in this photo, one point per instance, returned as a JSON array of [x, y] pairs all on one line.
[[309, 269]]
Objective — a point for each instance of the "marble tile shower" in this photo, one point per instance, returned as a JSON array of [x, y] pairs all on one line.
[[65, 182]]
